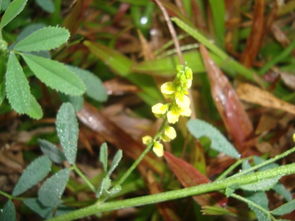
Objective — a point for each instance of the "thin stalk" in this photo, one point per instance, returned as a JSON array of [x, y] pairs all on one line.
[[86, 180], [177, 194], [8, 196], [280, 156]]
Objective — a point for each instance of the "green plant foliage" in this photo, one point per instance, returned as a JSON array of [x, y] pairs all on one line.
[[46, 5], [35, 172], [43, 39], [37, 207], [283, 191], [117, 158], [4, 4], [55, 75], [106, 183], [49, 149], [103, 156], [13, 9], [8, 212], [29, 30], [199, 128], [67, 130], [262, 185], [260, 199], [94, 86], [52, 189], [18, 90], [284, 209]]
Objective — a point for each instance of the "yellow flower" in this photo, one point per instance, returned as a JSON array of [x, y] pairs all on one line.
[[186, 112], [173, 115], [294, 137], [147, 140], [169, 134], [182, 100], [158, 149], [167, 89], [159, 109], [188, 73]]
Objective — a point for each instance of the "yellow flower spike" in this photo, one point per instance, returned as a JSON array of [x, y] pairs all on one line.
[[159, 109], [168, 89], [186, 112], [147, 140], [182, 101], [173, 115], [188, 73], [169, 133], [158, 149]]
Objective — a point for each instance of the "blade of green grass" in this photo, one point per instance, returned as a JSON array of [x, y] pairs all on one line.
[[218, 13]]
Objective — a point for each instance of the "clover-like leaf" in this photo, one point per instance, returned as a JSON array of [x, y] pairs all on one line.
[[35, 172], [67, 130], [55, 75], [18, 90], [52, 189], [46, 5], [49, 149], [8, 212], [43, 39], [13, 9]]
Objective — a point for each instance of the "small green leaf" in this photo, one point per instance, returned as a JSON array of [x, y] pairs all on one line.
[[49, 149], [55, 75], [43, 39], [283, 191], [199, 128], [284, 209], [94, 86], [4, 4], [116, 161], [104, 186], [46, 5], [37, 207], [13, 9], [35, 172], [103, 156], [67, 130], [260, 199], [262, 185], [8, 212], [216, 210], [52, 189], [18, 90], [29, 30]]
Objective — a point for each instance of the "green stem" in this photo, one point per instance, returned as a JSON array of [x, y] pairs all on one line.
[[280, 156], [86, 180], [249, 202], [8, 196], [278, 58], [177, 194]]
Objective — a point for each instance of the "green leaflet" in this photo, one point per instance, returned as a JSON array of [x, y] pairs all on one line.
[[49, 149], [34, 173], [103, 156], [46, 5], [13, 9], [8, 212], [285, 208], [94, 86], [18, 90], [67, 130], [37, 207], [55, 75], [260, 199], [199, 128], [52, 189], [43, 39]]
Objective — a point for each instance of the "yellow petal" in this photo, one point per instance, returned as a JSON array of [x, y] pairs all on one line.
[[172, 116], [158, 149], [159, 109], [167, 88], [170, 132], [147, 140], [182, 101], [188, 73], [186, 112], [294, 137]]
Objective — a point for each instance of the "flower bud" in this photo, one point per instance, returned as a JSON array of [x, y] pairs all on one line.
[[147, 140], [159, 109], [158, 149]]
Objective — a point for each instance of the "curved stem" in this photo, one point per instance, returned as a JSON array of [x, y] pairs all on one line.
[[177, 194], [86, 180]]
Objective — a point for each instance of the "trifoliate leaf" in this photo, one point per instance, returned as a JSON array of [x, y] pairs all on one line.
[[52, 189], [49, 149], [55, 75], [13, 9], [199, 128], [94, 86], [8, 212], [67, 130], [43, 39], [18, 90], [35, 172]]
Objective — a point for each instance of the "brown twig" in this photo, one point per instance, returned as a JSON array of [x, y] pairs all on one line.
[[171, 30]]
